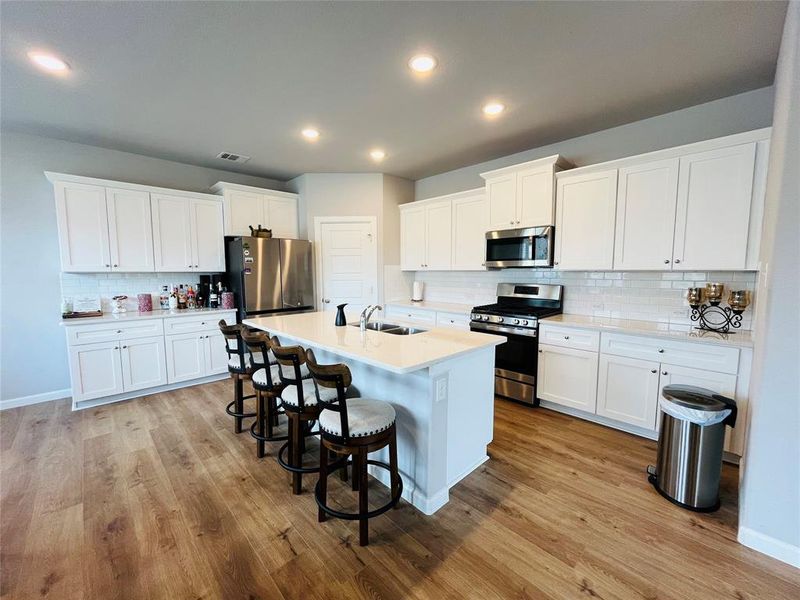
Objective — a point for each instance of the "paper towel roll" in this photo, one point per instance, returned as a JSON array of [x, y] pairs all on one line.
[[416, 294]]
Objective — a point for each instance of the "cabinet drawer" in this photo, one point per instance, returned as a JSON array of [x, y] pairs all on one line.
[[671, 352], [569, 337], [452, 320], [427, 317], [207, 322], [90, 334]]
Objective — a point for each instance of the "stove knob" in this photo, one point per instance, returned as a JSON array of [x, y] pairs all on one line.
[[516, 321], [525, 322]]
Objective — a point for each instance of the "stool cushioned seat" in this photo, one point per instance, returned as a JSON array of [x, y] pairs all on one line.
[[260, 376], [234, 361], [288, 371], [364, 417], [289, 395]]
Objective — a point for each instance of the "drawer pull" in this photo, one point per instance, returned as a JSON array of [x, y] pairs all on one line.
[[661, 351], [541, 351], [119, 330], [124, 347], [566, 337]]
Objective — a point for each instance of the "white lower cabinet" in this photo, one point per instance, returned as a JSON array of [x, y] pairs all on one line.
[[96, 370], [721, 383], [627, 390], [195, 355], [143, 363], [568, 377]]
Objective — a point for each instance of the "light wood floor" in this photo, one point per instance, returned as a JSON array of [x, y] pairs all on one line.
[[157, 498]]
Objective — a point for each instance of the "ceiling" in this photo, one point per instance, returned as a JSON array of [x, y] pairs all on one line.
[[186, 80]]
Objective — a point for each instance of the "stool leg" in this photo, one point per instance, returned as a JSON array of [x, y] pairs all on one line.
[[297, 438], [270, 416], [393, 471], [343, 472], [261, 416], [363, 503], [356, 470], [323, 480], [239, 404]]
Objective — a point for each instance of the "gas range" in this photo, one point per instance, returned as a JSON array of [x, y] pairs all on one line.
[[516, 316]]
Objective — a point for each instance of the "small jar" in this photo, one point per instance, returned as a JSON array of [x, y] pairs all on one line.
[[145, 302], [227, 300]]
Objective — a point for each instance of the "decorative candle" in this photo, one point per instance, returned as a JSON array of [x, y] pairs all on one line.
[[696, 296], [227, 300], [145, 302], [714, 293], [738, 300]]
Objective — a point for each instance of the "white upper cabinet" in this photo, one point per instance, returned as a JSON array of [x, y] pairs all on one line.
[[208, 243], [247, 206], [130, 230], [585, 214], [413, 230], [715, 191], [470, 223], [645, 224], [82, 227], [438, 237], [522, 195], [172, 233]]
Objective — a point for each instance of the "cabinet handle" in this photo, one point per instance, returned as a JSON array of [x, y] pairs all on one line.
[[654, 370], [116, 347], [555, 263], [119, 330], [190, 266], [108, 265], [195, 266], [511, 222], [661, 351], [566, 337], [517, 222], [124, 347], [677, 260], [540, 351], [116, 265], [666, 261], [664, 373]]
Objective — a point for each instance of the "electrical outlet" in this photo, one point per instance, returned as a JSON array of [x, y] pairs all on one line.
[[441, 389]]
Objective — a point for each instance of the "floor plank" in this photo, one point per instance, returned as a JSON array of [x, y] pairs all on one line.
[[158, 498]]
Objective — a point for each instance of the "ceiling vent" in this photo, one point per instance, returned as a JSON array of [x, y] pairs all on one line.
[[230, 156]]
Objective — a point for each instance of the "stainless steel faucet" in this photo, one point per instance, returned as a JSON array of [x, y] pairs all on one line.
[[366, 314]]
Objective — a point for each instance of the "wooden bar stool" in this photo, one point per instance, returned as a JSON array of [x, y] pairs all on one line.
[[353, 427], [240, 369], [267, 385], [300, 400]]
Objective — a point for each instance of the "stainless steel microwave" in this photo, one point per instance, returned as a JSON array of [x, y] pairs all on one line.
[[529, 247]]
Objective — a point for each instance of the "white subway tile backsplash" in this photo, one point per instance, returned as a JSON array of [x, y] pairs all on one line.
[[648, 296]]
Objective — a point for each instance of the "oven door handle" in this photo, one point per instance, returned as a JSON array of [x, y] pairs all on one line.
[[492, 328]]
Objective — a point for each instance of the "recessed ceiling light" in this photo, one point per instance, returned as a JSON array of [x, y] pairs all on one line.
[[492, 109], [377, 154], [422, 63], [48, 62], [310, 134]]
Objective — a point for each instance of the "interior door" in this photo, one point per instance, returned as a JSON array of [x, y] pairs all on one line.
[[645, 225], [535, 198], [208, 240], [172, 233], [438, 235], [243, 210], [282, 217], [502, 194], [715, 189], [130, 230], [627, 390], [412, 238], [470, 223], [348, 258], [143, 363], [82, 227]]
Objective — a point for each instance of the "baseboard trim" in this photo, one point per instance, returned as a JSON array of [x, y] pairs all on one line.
[[770, 546], [35, 399]]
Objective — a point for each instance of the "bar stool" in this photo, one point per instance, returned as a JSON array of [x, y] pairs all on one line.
[[267, 385], [240, 369], [300, 402], [353, 427]]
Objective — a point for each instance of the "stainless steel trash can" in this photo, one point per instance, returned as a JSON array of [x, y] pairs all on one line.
[[690, 441]]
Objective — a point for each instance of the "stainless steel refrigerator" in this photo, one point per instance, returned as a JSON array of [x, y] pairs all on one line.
[[270, 275]]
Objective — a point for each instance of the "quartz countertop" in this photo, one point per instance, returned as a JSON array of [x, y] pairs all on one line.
[[686, 333], [133, 315], [438, 306], [396, 353]]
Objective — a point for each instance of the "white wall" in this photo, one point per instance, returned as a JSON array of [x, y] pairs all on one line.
[[29, 279], [735, 114], [769, 518]]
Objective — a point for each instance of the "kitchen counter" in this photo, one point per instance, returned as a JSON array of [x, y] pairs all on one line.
[[440, 382], [740, 339], [435, 306], [396, 353], [136, 316]]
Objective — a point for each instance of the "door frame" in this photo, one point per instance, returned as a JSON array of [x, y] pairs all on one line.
[[318, 223]]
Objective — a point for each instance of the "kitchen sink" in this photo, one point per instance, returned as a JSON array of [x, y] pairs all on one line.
[[392, 328]]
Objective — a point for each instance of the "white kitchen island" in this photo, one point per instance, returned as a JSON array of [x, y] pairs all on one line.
[[440, 382]]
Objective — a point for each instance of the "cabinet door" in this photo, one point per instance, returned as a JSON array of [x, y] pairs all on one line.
[[645, 224], [585, 214], [243, 209], [627, 390], [172, 233], [143, 363], [130, 230], [215, 353], [502, 195], [96, 370], [412, 238], [535, 198], [186, 357], [282, 217], [715, 189], [82, 227], [438, 236], [568, 377], [469, 233], [208, 240]]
